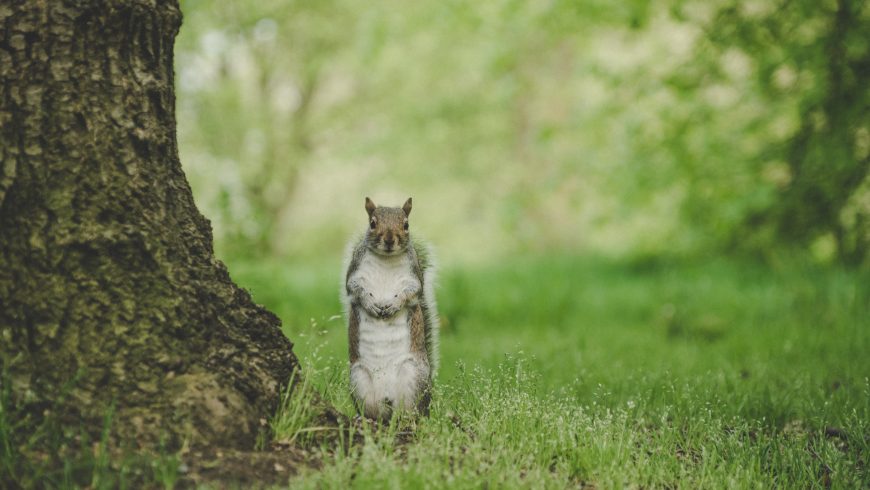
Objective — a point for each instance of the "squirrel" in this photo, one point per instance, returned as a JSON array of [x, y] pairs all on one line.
[[389, 301]]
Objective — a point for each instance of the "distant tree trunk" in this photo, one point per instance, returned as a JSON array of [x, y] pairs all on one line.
[[826, 170], [110, 295]]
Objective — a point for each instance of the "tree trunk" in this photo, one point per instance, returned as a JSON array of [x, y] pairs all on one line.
[[825, 166], [110, 296]]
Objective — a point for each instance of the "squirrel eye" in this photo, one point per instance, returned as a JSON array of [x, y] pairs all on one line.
[[406, 226], [372, 224]]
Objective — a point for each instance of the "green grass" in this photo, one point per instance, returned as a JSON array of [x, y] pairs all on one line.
[[294, 419], [560, 371]]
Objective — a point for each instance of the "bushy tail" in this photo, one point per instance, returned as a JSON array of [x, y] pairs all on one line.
[[431, 323]]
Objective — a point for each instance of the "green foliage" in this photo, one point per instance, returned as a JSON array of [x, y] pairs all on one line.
[[794, 83], [654, 126], [650, 372], [647, 127]]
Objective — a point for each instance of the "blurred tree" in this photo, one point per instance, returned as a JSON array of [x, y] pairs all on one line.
[[249, 77], [110, 295], [816, 54]]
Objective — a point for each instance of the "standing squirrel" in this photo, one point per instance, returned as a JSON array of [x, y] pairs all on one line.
[[389, 300]]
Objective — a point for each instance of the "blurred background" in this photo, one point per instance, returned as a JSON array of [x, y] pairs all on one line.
[[637, 127], [646, 184]]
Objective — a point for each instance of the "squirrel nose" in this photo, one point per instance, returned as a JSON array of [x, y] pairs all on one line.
[[389, 242]]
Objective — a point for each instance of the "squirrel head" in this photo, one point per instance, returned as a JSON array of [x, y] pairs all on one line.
[[388, 228]]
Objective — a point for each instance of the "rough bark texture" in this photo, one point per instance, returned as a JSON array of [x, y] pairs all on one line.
[[110, 294]]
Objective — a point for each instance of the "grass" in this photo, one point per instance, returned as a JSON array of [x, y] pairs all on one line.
[[563, 372], [295, 415]]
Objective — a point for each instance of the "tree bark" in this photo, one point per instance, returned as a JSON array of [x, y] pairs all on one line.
[[110, 294]]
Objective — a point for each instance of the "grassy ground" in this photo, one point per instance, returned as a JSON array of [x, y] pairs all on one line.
[[564, 372]]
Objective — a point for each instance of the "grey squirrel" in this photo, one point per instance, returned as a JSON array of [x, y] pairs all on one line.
[[389, 301]]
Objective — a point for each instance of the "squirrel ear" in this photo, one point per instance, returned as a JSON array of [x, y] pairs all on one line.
[[407, 207], [370, 207]]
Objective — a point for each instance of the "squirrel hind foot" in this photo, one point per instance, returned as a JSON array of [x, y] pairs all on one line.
[[379, 412]]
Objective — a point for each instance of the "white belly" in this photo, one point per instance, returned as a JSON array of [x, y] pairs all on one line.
[[384, 346]]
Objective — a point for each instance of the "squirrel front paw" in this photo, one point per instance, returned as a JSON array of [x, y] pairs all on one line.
[[388, 309], [370, 305], [384, 308]]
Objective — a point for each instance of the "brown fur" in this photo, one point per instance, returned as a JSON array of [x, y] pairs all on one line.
[[418, 337], [353, 334], [418, 347]]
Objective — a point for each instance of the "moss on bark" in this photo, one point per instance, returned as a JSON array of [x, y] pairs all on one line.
[[109, 288]]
